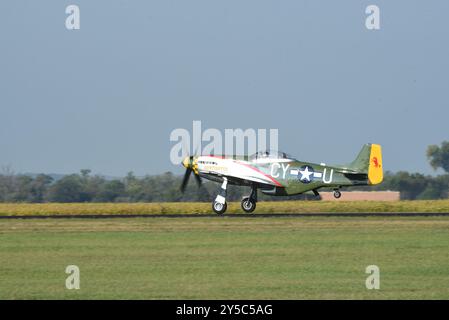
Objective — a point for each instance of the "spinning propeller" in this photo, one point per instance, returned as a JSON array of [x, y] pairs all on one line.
[[190, 163]]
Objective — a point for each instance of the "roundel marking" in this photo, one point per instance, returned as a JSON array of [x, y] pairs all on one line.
[[305, 174]]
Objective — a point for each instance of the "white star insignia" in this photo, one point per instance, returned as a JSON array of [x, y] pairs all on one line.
[[305, 174]]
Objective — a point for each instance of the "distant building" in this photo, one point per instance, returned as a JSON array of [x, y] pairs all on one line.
[[362, 195]]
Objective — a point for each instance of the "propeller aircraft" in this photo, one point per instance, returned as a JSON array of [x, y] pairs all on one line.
[[278, 174]]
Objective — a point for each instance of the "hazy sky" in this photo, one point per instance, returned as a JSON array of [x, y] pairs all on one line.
[[107, 96]]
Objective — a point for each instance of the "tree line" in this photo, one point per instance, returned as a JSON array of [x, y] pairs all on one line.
[[84, 187]]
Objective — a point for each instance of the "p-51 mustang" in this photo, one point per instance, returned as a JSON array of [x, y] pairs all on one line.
[[278, 174]]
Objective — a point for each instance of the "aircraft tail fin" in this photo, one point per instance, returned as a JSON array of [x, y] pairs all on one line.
[[369, 161]]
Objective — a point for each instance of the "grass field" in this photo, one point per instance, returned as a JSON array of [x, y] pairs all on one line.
[[233, 207], [219, 258]]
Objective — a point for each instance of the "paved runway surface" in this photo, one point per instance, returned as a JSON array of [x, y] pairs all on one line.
[[235, 215]]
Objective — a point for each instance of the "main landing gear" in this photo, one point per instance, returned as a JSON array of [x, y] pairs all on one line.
[[219, 205], [248, 202]]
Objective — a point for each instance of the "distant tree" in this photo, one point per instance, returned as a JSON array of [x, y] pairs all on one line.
[[68, 189], [430, 192], [22, 186], [39, 187], [130, 177], [439, 156], [437, 188], [7, 183], [133, 188], [410, 185], [110, 191], [85, 172], [92, 186]]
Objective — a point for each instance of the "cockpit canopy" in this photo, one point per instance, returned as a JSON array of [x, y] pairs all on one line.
[[270, 154]]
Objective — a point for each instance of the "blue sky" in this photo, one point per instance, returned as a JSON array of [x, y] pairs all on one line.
[[107, 96]]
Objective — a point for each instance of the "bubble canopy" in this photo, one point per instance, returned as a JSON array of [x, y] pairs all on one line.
[[270, 154]]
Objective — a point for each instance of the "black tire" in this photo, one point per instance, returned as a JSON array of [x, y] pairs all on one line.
[[248, 204], [219, 208], [337, 194]]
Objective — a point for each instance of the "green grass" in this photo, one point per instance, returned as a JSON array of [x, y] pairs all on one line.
[[17, 209], [220, 258]]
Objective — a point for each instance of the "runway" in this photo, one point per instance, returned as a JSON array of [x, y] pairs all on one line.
[[234, 215]]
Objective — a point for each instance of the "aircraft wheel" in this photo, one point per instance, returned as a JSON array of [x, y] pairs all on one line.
[[248, 204], [337, 194], [219, 208]]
